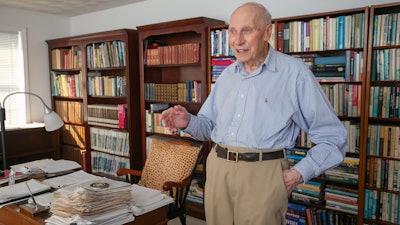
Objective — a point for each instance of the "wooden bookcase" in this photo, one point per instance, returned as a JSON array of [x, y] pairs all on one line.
[[379, 180], [102, 126], [65, 60], [173, 54], [333, 41]]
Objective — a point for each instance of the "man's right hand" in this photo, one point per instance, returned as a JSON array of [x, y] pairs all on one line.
[[175, 118]]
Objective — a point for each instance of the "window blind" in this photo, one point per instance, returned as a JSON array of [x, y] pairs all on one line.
[[12, 77]]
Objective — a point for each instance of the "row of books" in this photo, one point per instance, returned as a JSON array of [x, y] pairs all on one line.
[[69, 111], [173, 54], [353, 133], [154, 124], [386, 29], [190, 91], [219, 44], [106, 54], [109, 141], [311, 192], [385, 65], [383, 141], [108, 115], [99, 85], [196, 191], [104, 163], [353, 136], [66, 85], [66, 58], [383, 206], [383, 173], [346, 173], [298, 214], [347, 67], [321, 34], [218, 65], [384, 102], [341, 198], [73, 135], [345, 98]]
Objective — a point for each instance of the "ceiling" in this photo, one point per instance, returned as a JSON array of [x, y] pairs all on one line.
[[65, 7]]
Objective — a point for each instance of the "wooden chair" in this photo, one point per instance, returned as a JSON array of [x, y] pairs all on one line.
[[169, 167]]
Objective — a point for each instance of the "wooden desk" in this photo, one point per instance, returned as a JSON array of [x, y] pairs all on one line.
[[10, 215]]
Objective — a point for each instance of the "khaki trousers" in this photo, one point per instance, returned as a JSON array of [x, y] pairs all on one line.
[[245, 193]]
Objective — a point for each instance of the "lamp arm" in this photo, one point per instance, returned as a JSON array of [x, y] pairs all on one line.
[[47, 109]]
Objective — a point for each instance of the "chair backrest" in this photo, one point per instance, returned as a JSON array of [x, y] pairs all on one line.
[[169, 167], [168, 161]]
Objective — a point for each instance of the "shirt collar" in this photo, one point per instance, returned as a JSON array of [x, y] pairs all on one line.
[[269, 63]]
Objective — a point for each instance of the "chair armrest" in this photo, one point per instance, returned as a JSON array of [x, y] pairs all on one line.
[[125, 171], [168, 185]]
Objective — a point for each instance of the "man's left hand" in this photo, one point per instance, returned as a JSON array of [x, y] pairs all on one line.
[[291, 178]]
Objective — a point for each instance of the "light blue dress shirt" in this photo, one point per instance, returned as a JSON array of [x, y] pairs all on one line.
[[266, 110]]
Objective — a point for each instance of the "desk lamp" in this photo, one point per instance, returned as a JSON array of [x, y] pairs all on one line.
[[52, 122]]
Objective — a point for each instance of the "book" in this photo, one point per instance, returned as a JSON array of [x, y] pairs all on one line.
[[327, 60]]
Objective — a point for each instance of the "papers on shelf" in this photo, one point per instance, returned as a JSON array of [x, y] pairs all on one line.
[[146, 199], [20, 190], [47, 166], [72, 178]]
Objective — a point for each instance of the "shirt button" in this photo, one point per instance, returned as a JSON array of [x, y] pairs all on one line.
[[233, 133], [242, 95], [238, 115]]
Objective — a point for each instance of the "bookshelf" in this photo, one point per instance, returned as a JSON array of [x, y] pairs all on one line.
[[102, 131], [379, 180], [173, 70], [334, 46], [65, 60]]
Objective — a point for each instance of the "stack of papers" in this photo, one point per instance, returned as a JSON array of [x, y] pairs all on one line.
[[47, 166], [146, 199], [69, 179], [95, 201]]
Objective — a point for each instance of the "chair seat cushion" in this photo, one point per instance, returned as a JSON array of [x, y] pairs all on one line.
[[168, 161]]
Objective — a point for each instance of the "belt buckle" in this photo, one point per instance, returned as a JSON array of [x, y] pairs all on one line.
[[232, 152]]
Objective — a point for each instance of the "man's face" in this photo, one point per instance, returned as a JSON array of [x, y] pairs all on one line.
[[247, 37]]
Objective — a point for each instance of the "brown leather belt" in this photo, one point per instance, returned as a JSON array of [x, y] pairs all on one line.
[[248, 156]]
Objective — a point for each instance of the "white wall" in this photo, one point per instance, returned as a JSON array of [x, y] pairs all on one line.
[[41, 26], [154, 11]]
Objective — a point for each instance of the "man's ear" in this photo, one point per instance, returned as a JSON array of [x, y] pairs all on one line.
[[267, 32]]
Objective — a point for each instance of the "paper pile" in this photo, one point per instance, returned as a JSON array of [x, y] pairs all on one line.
[[146, 199], [96, 201], [20, 190], [47, 166]]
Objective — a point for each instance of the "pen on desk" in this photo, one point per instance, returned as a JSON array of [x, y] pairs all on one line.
[[30, 192]]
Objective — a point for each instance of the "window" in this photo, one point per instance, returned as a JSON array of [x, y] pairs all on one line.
[[12, 76]]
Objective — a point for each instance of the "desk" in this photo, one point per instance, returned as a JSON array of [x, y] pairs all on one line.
[[10, 215]]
